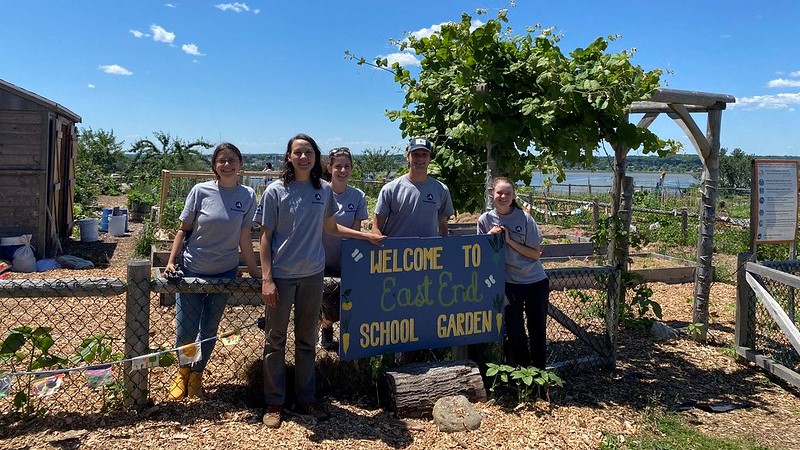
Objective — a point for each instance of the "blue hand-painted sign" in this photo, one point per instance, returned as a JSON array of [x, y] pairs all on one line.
[[416, 293]]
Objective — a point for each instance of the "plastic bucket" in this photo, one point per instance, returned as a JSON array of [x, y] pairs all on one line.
[[104, 219], [116, 225], [88, 230], [8, 245]]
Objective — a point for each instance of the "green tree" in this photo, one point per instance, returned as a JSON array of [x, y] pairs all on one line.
[[735, 169], [150, 157], [536, 107], [98, 155]]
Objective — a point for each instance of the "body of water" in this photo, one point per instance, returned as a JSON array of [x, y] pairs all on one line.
[[579, 181]]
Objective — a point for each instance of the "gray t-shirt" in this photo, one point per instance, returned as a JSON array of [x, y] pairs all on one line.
[[352, 208], [217, 215], [413, 209], [523, 229], [295, 214]]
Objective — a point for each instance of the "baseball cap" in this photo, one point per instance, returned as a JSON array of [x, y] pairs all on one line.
[[419, 143]]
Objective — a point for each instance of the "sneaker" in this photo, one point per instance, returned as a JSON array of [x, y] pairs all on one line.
[[326, 338], [272, 416], [315, 410]]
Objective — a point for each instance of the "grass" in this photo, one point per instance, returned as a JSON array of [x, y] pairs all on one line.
[[665, 431]]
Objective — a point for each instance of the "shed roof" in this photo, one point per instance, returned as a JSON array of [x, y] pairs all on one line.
[[38, 99]]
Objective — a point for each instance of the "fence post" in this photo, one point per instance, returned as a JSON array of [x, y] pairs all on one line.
[[744, 331], [595, 213], [137, 330], [569, 190], [684, 225]]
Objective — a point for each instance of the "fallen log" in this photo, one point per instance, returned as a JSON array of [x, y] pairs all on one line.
[[412, 390]]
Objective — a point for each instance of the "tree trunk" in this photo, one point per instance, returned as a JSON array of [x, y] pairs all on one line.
[[411, 390]]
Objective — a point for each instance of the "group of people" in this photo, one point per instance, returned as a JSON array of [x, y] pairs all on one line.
[[304, 215]]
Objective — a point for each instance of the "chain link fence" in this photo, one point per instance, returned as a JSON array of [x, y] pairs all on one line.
[[769, 339], [137, 316]]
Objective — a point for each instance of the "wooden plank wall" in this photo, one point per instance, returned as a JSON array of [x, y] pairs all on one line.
[[23, 174]]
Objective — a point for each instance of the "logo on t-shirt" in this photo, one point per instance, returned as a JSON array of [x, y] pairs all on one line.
[[351, 206], [518, 229], [259, 209], [317, 199], [429, 199], [238, 205]]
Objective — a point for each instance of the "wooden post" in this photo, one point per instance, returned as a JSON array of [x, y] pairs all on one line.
[[164, 195], [137, 330], [595, 211], [744, 332], [684, 225], [569, 190]]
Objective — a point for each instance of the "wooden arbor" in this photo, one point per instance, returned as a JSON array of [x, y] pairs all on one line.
[[678, 105]]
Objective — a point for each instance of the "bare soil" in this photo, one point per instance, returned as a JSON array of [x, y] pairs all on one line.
[[649, 374]]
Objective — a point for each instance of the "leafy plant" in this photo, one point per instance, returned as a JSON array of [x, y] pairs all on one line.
[[145, 240], [99, 349], [634, 313], [141, 195], [526, 383], [28, 349]]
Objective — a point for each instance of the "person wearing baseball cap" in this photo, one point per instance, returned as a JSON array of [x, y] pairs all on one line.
[[414, 204]]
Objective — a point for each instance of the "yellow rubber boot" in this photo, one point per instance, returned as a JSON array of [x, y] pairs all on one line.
[[179, 387], [195, 385]]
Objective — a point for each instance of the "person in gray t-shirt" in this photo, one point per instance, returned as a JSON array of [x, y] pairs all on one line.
[[293, 212], [414, 204], [215, 224], [351, 204], [527, 286]]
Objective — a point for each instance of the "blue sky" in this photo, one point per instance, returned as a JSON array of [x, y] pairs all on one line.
[[257, 72]]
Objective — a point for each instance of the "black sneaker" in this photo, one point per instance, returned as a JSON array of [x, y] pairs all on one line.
[[315, 410]]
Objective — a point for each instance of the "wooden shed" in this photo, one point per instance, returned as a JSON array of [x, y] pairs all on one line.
[[37, 167]]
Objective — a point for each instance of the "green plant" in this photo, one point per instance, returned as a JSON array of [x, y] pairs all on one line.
[[141, 195], [593, 305], [28, 349], [527, 382], [98, 349], [634, 313], [145, 240]]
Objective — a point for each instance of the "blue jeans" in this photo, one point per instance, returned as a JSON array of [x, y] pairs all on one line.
[[306, 295], [199, 315]]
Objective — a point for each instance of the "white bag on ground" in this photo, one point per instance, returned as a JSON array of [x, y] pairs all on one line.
[[24, 258]]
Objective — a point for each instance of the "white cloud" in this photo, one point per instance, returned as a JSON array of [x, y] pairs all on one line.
[[778, 101], [90, 86], [405, 59], [795, 74], [427, 32], [191, 49], [115, 69], [138, 34], [782, 82], [725, 36], [170, 5], [236, 7], [161, 35]]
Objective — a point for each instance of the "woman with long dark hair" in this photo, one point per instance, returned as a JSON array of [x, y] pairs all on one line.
[[293, 213]]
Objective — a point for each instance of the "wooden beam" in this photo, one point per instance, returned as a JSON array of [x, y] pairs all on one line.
[[707, 99], [776, 311], [648, 119], [689, 126], [658, 107], [770, 366], [774, 274]]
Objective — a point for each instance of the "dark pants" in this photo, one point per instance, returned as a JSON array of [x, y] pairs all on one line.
[[527, 301]]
